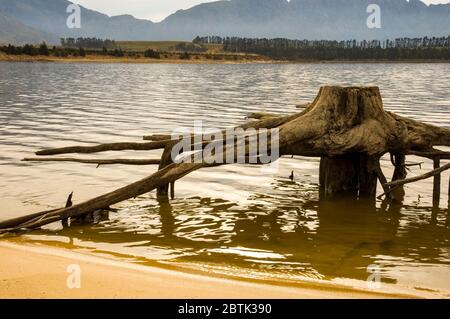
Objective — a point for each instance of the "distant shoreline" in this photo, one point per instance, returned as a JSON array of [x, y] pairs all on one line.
[[243, 60]]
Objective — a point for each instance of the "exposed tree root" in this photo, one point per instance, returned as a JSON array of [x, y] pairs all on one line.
[[345, 123]]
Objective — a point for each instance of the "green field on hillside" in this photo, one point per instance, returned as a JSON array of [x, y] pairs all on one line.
[[167, 46]]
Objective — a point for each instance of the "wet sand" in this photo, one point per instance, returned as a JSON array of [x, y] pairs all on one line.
[[42, 272]]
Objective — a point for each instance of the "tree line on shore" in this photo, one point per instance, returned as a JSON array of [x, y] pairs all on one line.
[[89, 43], [280, 48], [283, 49], [55, 51]]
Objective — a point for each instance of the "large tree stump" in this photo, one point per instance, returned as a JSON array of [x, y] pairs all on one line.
[[346, 127]]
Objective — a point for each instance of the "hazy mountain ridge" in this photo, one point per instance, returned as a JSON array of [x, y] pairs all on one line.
[[300, 19], [311, 19], [51, 16], [13, 31]]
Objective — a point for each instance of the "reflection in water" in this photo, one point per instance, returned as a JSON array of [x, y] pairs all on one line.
[[289, 233], [229, 217]]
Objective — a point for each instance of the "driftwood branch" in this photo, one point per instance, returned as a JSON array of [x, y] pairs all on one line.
[[96, 161], [431, 154], [105, 148], [157, 137], [261, 115], [303, 106], [265, 122], [162, 177], [419, 177]]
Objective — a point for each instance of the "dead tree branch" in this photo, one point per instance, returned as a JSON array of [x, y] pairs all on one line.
[[96, 161]]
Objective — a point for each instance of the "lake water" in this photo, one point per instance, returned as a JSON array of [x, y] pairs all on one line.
[[232, 220]]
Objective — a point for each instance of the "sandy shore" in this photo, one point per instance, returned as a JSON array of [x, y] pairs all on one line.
[[42, 272], [132, 60], [241, 60]]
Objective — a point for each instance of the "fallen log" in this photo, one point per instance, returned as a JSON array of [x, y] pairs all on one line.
[[95, 161], [11, 223], [162, 177]]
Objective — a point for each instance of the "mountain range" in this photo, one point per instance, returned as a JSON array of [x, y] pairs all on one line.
[[45, 20]]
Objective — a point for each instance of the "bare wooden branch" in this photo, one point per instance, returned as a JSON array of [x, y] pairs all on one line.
[[261, 115], [157, 137], [267, 122], [419, 177], [105, 148], [431, 154], [303, 106], [116, 161], [169, 174]]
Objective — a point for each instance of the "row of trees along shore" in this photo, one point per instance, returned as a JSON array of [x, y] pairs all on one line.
[[55, 51], [76, 47], [280, 48], [90, 43], [74, 50]]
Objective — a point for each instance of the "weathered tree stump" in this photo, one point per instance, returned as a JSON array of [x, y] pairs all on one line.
[[346, 127], [350, 175]]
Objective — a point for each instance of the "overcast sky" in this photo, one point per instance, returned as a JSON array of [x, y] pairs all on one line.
[[155, 10]]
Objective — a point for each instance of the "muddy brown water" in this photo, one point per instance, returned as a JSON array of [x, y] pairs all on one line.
[[233, 220]]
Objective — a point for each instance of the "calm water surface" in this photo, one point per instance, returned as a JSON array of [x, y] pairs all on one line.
[[231, 220]]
